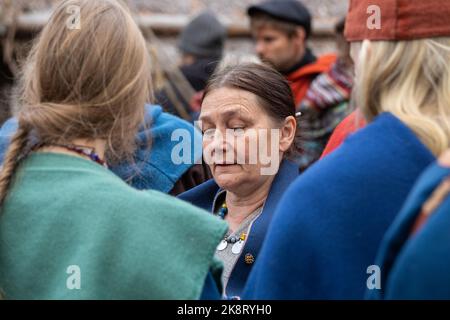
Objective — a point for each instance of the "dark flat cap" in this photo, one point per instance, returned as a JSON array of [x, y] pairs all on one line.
[[285, 10]]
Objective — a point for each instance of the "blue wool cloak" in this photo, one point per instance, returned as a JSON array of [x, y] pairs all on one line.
[[417, 266], [329, 224]]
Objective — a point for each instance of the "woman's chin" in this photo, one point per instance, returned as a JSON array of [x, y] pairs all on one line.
[[228, 181]]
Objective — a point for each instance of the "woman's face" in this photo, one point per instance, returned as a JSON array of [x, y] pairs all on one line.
[[239, 140]]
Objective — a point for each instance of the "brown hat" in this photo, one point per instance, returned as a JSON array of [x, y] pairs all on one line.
[[397, 19]]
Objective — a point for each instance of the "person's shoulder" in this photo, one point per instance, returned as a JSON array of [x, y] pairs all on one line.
[[346, 127], [166, 202], [328, 59], [161, 120], [313, 69], [422, 257], [167, 206], [128, 199], [322, 64], [106, 191], [171, 242], [201, 195], [374, 152]]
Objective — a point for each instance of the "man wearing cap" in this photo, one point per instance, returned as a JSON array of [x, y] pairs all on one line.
[[280, 30]]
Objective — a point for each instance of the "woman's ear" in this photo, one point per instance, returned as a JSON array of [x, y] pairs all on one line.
[[287, 133]]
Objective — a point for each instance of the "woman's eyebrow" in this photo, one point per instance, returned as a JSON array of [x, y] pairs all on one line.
[[228, 113], [236, 112]]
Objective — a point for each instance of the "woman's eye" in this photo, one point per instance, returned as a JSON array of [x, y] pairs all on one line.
[[209, 133], [238, 131]]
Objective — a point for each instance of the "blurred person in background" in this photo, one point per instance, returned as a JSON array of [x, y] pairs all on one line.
[[201, 44], [280, 30], [326, 103]]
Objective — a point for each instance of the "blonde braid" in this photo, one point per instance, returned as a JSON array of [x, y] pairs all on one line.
[[12, 158]]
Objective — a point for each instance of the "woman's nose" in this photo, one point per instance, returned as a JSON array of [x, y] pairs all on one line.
[[220, 145], [219, 141]]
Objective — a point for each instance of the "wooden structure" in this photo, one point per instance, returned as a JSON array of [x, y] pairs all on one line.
[[169, 25]]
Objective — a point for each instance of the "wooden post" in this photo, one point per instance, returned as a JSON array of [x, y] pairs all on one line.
[[171, 25]]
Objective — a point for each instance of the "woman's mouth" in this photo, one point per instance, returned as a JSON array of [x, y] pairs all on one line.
[[224, 165]]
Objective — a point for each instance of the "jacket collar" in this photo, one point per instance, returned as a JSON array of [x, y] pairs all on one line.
[[287, 173], [308, 58]]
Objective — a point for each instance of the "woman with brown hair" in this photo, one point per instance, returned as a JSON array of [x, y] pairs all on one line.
[[69, 228], [245, 105]]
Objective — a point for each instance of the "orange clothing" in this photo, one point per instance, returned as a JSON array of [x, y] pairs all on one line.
[[349, 125], [301, 79]]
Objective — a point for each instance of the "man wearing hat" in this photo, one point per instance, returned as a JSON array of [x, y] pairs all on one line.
[[280, 30], [201, 44]]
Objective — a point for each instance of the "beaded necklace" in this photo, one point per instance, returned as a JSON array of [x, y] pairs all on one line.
[[238, 242], [82, 150]]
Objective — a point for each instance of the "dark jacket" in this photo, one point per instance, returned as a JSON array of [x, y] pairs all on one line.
[[330, 222], [204, 196]]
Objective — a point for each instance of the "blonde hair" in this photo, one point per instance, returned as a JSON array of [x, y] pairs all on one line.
[[86, 83], [410, 79]]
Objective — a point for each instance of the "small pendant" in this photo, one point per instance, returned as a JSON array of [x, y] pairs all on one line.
[[222, 245], [237, 247]]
